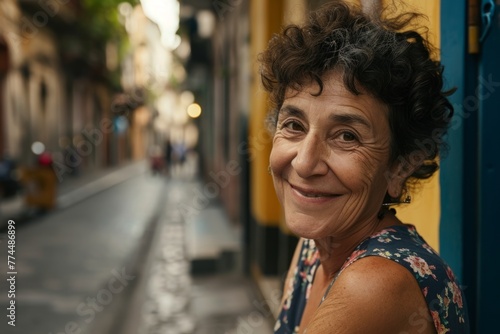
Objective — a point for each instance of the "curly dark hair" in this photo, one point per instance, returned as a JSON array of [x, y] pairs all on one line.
[[382, 55]]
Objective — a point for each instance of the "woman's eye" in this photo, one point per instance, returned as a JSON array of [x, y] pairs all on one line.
[[348, 137], [293, 125]]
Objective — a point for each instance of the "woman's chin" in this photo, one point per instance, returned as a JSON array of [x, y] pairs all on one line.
[[308, 230]]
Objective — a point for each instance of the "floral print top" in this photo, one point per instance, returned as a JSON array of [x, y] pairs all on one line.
[[401, 244]]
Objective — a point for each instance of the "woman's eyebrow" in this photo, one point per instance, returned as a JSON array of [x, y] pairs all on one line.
[[350, 119], [291, 110]]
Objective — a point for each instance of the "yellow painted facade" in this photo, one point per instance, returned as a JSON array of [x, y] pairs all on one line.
[[264, 21], [425, 210]]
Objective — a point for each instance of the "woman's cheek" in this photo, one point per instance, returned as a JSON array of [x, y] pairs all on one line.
[[280, 155]]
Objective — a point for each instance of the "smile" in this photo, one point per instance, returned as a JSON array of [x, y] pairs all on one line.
[[312, 193]]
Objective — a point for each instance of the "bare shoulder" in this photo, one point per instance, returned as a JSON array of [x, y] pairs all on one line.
[[373, 295]]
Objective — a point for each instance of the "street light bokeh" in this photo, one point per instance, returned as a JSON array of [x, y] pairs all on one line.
[[194, 110], [37, 148]]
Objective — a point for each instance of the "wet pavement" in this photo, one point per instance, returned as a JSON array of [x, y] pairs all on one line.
[[66, 259], [171, 301], [120, 260]]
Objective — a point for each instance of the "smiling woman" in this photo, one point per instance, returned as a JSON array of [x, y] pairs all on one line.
[[353, 100], [330, 158]]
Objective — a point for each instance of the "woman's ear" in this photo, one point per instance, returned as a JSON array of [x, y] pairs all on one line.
[[397, 175]]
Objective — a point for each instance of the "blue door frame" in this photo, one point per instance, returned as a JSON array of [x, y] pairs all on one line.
[[489, 179], [470, 180]]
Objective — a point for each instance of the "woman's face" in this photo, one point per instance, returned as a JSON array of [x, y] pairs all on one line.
[[330, 159]]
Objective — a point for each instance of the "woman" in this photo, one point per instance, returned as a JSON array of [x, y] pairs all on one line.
[[360, 114]]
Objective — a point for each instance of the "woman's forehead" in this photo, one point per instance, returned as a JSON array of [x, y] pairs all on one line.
[[332, 79], [333, 93]]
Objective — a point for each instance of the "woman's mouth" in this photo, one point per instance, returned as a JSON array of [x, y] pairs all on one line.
[[311, 193]]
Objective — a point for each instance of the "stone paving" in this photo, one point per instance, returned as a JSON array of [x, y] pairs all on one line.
[[167, 291], [168, 300]]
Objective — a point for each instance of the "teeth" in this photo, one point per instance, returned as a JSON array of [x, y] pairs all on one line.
[[313, 195]]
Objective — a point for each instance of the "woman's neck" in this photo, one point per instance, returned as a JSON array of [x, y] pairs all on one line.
[[333, 252]]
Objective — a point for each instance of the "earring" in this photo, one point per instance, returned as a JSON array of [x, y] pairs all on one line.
[[269, 170], [392, 201], [407, 200]]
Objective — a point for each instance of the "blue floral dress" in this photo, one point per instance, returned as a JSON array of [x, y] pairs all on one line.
[[401, 244]]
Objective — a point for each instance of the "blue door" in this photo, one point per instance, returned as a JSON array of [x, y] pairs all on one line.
[[470, 179], [489, 169]]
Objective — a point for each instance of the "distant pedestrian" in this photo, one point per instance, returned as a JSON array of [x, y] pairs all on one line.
[[157, 160], [45, 159], [168, 155], [178, 154]]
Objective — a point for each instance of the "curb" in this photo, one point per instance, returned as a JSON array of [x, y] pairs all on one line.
[[15, 209]]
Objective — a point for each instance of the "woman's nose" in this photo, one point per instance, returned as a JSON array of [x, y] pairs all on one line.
[[310, 158]]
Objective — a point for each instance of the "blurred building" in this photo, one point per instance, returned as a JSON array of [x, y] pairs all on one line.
[[10, 58], [60, 86]]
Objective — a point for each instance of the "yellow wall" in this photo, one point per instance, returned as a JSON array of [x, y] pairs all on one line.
[[266, 19], [425, 210]]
